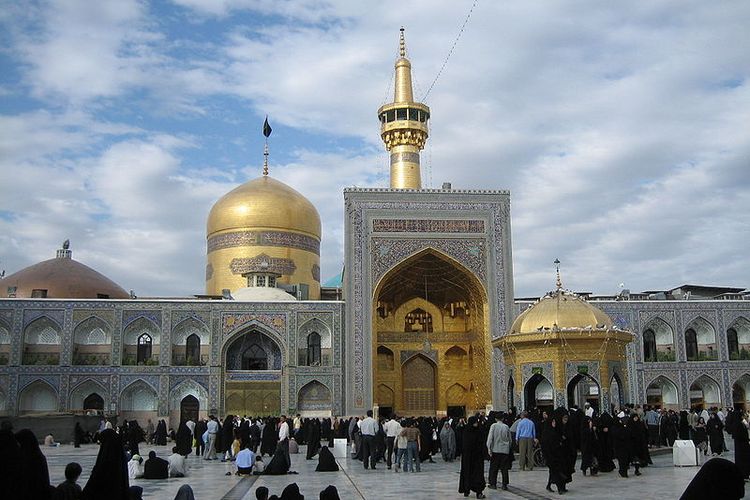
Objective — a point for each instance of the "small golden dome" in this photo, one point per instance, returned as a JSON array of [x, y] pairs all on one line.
[[560, 309], [264, 203]]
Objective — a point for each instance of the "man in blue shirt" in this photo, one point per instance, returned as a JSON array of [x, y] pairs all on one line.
[[245, 460], [526, 437]]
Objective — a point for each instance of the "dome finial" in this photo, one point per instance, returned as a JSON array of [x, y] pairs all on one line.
[[266, 132], [558, 283], [402, 44]]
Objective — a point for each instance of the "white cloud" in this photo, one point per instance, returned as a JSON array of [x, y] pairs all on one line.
[[620, 130]]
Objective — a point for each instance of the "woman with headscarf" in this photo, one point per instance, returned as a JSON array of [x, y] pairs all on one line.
[[330, 493], [472, 460], [639, 439], [10, 463], [33, 471], [589, 446], [227, 437], [555, 453], [279, 464], [326, 462], [291, 492], [741, 445], [700, 436], [78, 435], [185, 493], [604, 438], [715, 434], [683, 428], [313, 438], [269, 438], [447, 442], [135, 436], [161, 433], [200, 428], [109, 476], [184, 440]]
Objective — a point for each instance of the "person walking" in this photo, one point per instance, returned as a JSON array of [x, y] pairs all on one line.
[[472, 460], [212, 427], [498, 446], [526, 436], [392, 430], [368, 428]]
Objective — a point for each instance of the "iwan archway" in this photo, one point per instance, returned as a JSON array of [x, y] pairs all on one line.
[[430, 337]]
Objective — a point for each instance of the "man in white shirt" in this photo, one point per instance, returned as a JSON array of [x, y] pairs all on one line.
[[392, 429], [245, 461], [135, 467], [588, 410], [177, 464], [368, 428], [284, 437]]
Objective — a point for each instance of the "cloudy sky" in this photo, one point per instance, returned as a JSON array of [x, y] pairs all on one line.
[[622, 129]]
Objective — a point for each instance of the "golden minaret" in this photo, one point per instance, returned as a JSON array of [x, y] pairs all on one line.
[[403, 127]]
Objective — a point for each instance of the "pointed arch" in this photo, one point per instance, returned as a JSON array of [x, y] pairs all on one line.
[[314, 396], [617, 396], [319, 327], [738, 339], [456, 358], [538, 392], [418, 382], [455, 395], [4, 333], [385, 397], [187, 388], [42, 331], [92, 331], [705, 392], [187, 327], [138, 327], [82, 390], [385, 359], [255, 349], [662, 392], [657, 339], [139, 396], [700, 340], [741, 392], [38, 397]]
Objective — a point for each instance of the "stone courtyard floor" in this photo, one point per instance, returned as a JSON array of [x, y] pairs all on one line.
[[438, 480]]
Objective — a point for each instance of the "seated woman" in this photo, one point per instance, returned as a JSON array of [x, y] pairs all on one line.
[[326, 462], [279, 464]]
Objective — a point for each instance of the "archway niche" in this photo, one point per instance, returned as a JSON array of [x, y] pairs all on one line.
[[314, 399], [419, 385], [738, 339], [189, 408], [93, 402], [615, 391], [92, 342], [41, 342], [704, 394], [584, 389], [138, 401], [37, 397], [429, 304], [741, 393], [658, 341], [662, 393], [190, 343], [253, 362], [4, 344], [539, 393], [700, 341], [141, 343], [511, 401]]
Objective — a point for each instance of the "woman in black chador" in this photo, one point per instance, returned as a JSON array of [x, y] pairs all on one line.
[[78, 435], [161, 433], [472, 460], [279, 464], [269, 437], [741, 446], [715, 434], [184, 440], [109, 477], [313, 438], [604, 438], [589, 446], [624, 445], [326, 462], [556, 451]]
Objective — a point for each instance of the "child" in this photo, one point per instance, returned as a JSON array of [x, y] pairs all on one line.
[[69, 490], [259, 467]]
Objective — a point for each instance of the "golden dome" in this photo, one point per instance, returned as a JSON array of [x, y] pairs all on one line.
[[264, 203], [62, 278], [560, 309]]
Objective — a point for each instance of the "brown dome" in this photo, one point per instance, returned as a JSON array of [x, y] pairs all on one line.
[[62, 278]]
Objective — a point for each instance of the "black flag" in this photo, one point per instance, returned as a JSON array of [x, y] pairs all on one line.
[[267, 128]]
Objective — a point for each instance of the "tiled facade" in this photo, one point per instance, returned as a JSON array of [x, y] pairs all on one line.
[[168, 322]]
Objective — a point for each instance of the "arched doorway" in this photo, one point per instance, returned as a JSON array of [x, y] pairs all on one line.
[[93, 402], [189, 408], [704, 394], [583, 389], [431, 305], [419, 386], [538, 393], [252, 386], [662, 393], [741, 393]]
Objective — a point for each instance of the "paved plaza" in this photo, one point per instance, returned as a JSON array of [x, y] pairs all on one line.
[[439, 480]]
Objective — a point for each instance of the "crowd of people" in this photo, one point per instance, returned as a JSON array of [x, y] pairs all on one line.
[[552, 438]]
